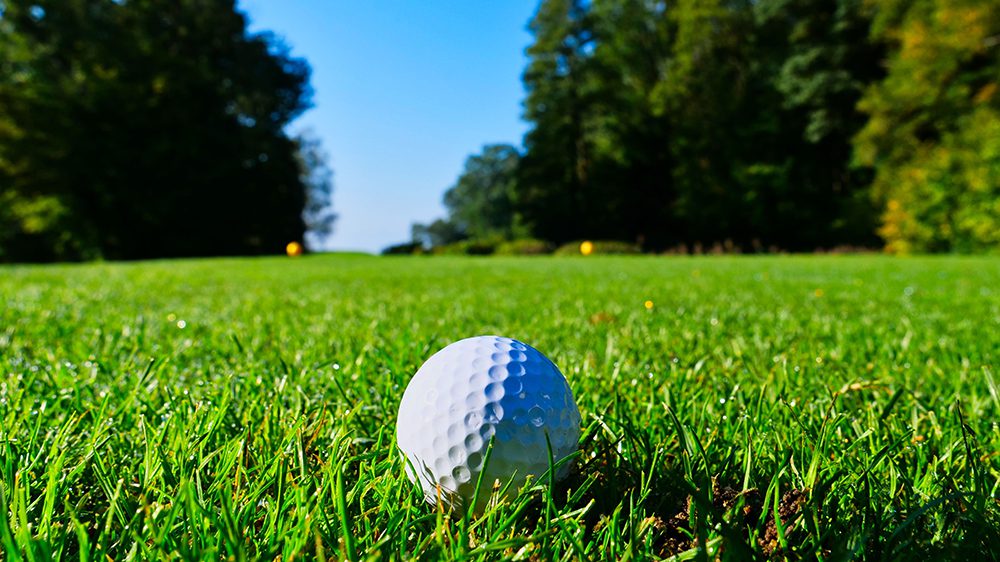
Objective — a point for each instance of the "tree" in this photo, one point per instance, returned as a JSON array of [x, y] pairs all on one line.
[[441, 232], [481, 204], [819, 58], [554, 177], [317, 178], [628, 130], [145, 128], [713, 100], [933, 134], [697, 122]]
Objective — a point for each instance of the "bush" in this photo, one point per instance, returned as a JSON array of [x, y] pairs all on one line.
[[605, 247], [403, 249], [467, 248], [524, 247]]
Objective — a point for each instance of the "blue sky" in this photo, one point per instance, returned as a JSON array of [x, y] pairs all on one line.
[[404, 92]]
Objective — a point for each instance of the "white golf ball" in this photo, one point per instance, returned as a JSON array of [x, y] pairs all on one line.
[[476, 389]]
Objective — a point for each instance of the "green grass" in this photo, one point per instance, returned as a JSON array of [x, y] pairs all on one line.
[[799, 407]]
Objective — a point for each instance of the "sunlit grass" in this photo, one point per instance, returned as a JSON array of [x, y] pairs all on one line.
[[839, 407]]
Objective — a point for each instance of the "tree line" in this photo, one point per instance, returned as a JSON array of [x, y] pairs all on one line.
[[761, 124], [151, 128]]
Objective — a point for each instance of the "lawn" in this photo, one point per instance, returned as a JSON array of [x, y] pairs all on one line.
[[799, 407]]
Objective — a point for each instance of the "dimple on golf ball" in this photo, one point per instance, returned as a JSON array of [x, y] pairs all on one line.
[[474, 390]]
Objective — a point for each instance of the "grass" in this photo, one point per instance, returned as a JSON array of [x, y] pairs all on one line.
[[780, 407]]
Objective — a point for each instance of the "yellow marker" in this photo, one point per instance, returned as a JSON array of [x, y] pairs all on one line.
[[648, 305], [293, 249], [586, 247]]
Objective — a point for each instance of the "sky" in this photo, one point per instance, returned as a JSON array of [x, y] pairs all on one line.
[[404, 92]]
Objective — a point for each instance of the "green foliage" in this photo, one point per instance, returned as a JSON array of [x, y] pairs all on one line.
[[829, 61], [246, 409], [36, 226], [697, 122], [472, 247], [524, 247], [819, 58], [406, 248], [599, 247], [147, 128], [708, 121], [554, 179], [932, 135], [441, 232], [481, 202], [707, 95]]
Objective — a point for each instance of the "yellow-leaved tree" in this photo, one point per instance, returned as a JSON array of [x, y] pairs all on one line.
[[933, 136]]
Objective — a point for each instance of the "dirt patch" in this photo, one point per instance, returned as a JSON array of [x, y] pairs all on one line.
[[676, 530], [788, 508], [673, 539]]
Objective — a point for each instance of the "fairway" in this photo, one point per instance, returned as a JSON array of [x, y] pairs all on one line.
[[836, 407]]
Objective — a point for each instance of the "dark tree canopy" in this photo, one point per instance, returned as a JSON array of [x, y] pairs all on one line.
[[553, 181], [146, 128], [696, 122]]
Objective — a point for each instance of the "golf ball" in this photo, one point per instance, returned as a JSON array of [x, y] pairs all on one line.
[[474, 390]]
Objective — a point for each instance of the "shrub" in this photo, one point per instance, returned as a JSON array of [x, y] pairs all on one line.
[[524, 247], [403, 249], [467, 248]]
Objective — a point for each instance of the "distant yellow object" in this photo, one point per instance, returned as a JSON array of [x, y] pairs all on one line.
[[587, 247], [648, 305], [293, 249]]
